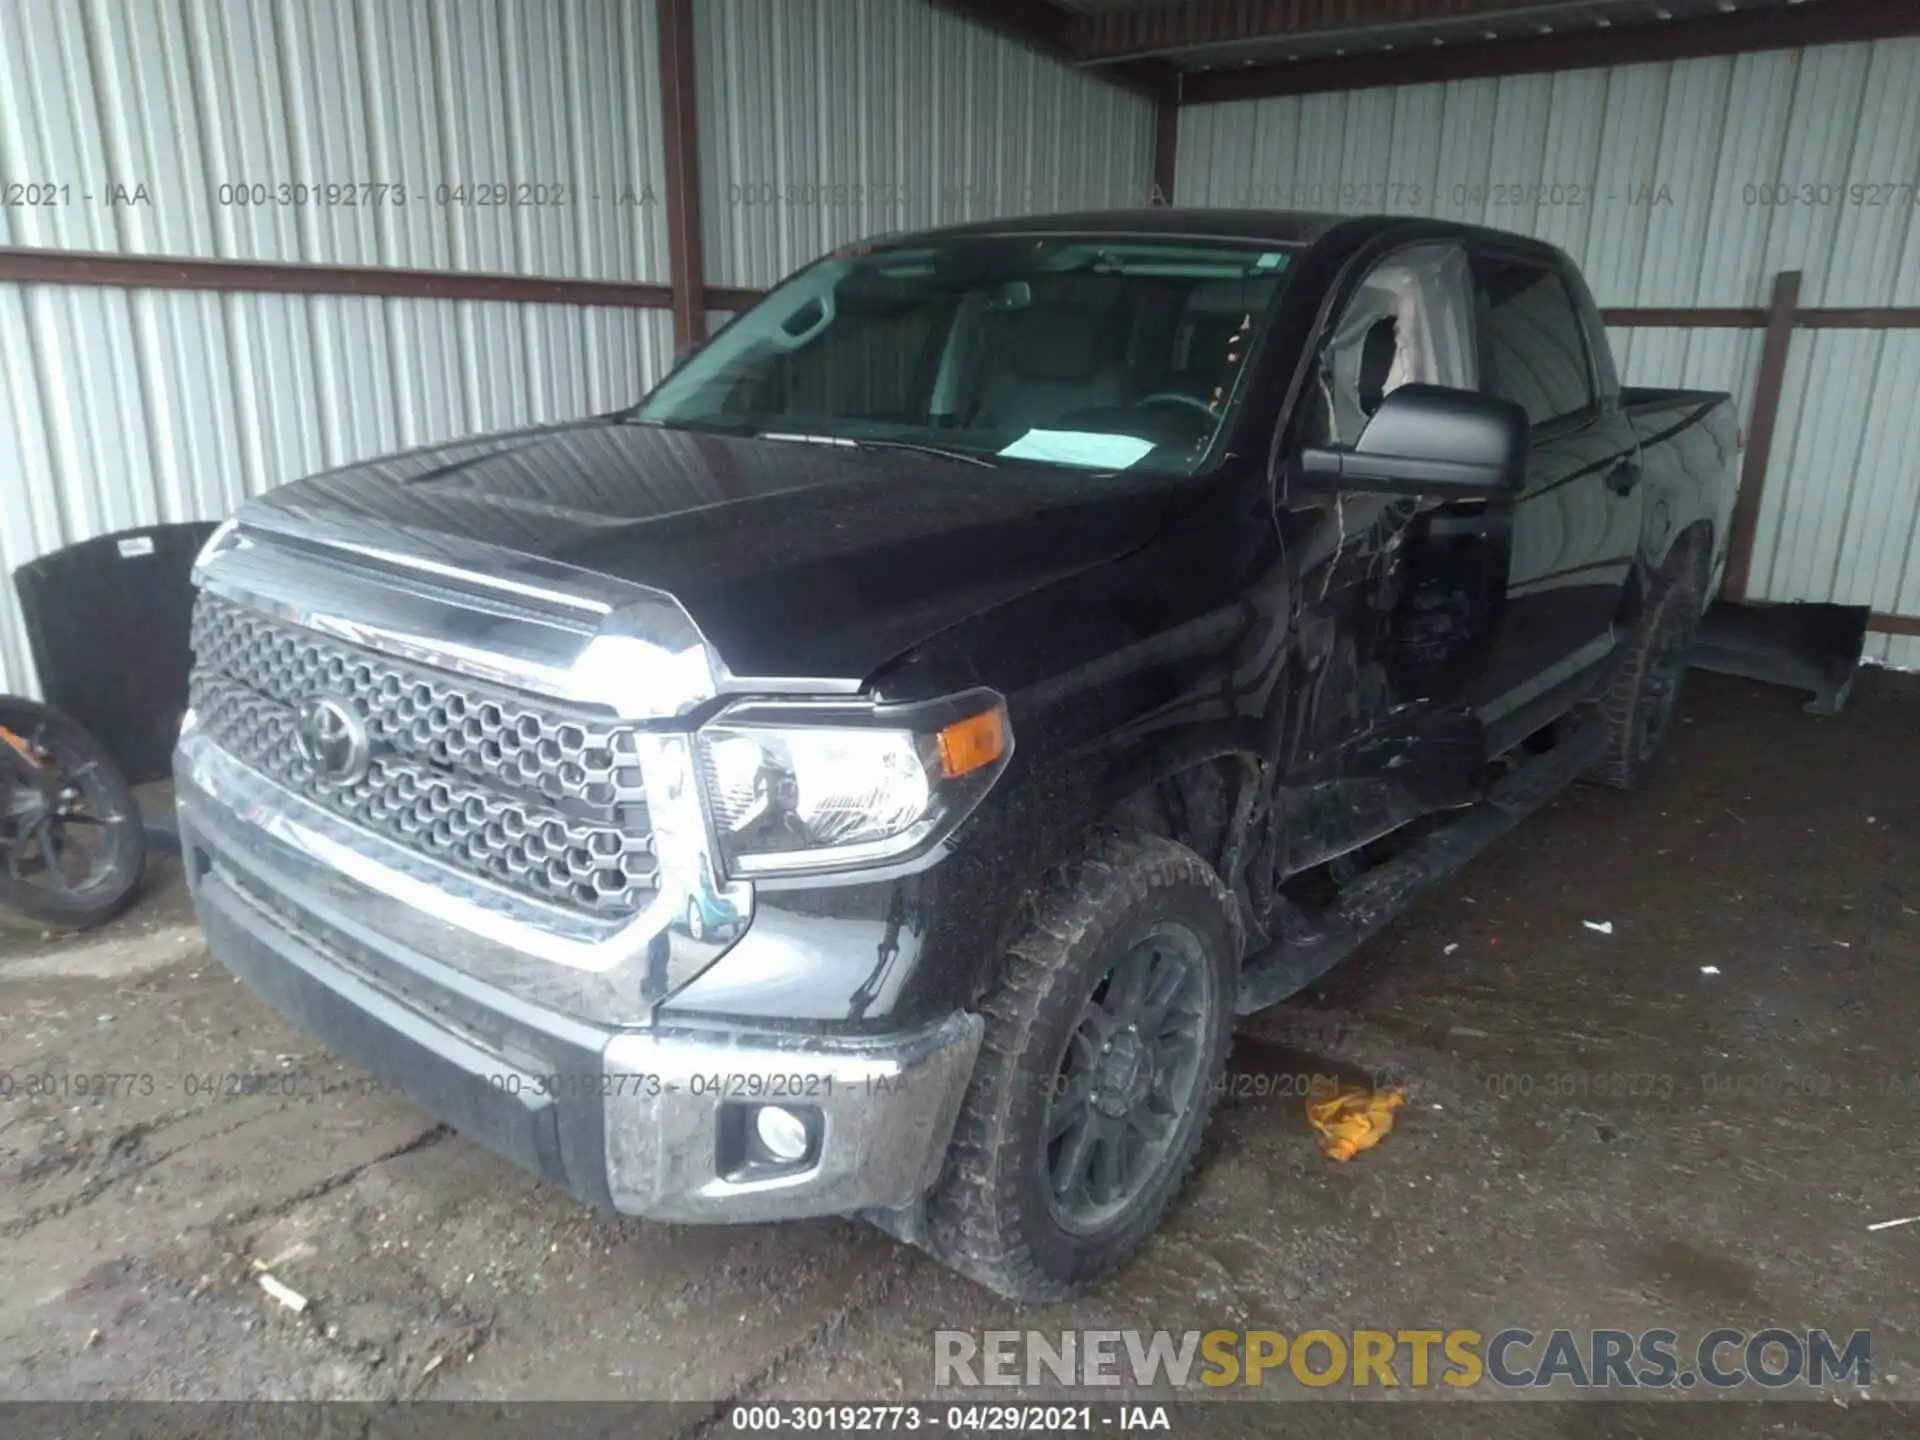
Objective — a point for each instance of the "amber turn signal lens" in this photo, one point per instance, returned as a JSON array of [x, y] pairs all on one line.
[[968, 744]]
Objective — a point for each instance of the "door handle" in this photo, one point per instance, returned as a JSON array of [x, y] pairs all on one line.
[[1623, 475]]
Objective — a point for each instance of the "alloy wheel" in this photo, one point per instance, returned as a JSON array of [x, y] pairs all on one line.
[[1126, 1077]]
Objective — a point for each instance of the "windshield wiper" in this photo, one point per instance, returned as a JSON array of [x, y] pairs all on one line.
[[702, 424], [870, 442]]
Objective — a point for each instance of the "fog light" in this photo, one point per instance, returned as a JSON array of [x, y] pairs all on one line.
[[782, 1132]]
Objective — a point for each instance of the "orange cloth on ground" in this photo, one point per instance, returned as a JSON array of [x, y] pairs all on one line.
[[1350, 1121]]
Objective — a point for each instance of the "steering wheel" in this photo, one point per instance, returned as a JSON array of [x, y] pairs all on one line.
[[1176, 397]]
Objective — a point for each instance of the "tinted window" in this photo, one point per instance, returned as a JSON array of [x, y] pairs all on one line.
[[1536, 353], [870, 365], [1099, 351]]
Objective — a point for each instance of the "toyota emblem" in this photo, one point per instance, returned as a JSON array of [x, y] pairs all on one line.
[[333, 739]]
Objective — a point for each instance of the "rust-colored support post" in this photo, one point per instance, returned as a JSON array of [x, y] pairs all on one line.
[[680, 137], [1766, 412], [1166, 146]]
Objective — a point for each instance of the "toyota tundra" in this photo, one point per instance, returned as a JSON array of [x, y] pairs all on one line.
[[869, 775]]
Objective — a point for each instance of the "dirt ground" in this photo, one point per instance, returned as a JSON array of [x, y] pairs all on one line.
[[1764, 898]]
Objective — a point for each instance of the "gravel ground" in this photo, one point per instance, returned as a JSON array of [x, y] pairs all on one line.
[[1688, 1122]]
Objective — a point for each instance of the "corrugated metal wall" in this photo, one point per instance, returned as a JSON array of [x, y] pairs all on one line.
[[1840, 516], [822, 121], [1902, 652], [186, 98], [1684, 184], [120, 407], [1660, 180], [130, 407]]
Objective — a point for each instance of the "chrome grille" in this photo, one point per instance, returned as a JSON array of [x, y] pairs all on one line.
[[499, 784]]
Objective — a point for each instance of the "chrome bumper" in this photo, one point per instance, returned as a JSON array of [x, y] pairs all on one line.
[[502, 1043], [884, 1110]]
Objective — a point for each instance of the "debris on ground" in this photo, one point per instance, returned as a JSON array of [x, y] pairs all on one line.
[[1353, 1119], [1890, 1224], [1599, 927], [285, 1294], [1709, 969], [299, 1250], [1451, 948]]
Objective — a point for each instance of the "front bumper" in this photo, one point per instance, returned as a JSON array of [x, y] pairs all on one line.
[[649, 1121]]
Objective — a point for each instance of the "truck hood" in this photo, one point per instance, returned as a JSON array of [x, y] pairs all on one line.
[[795, 560]]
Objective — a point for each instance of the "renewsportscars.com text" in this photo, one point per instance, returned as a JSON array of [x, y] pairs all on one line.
[[1510, 1359]]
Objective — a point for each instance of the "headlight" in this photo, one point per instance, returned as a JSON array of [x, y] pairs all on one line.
[[792, 790]]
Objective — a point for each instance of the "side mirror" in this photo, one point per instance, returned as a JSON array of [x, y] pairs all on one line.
[[1428, 440]]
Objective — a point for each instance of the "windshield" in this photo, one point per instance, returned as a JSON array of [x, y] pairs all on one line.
[[1089, 351]]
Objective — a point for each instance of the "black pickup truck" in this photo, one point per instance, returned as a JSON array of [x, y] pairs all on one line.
[[869, 775]]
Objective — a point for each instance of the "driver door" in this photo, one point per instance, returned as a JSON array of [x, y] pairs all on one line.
[[1392, 593]]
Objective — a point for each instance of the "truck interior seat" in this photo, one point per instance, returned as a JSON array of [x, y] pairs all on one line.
[[1053, 360]]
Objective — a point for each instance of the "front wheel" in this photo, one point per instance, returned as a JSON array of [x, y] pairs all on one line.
[[1102, 1057], [71, 839]]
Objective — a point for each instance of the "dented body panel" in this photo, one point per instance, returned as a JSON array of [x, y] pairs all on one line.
[[1361, 658]]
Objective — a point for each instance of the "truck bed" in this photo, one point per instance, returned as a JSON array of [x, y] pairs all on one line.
[[1637, 398]]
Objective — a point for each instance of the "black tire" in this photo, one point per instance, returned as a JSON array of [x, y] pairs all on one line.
[[1132, 912], [1644, 694], [97, 793]]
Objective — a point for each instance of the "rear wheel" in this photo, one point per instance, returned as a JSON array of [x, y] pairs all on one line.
[[1644, 695], [71, 839], [1101, 1060]]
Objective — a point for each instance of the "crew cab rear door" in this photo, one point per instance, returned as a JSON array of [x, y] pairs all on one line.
[[1576, 523]]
